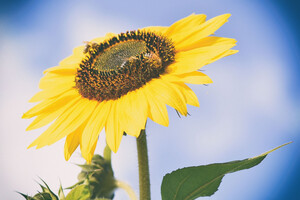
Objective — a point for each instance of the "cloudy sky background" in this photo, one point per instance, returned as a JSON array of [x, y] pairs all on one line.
[[252, 106]]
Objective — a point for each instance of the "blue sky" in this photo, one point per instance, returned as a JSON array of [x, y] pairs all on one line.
[[252, 106]]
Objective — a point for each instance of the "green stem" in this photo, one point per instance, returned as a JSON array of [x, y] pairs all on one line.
[[144, 179], [127, 188]]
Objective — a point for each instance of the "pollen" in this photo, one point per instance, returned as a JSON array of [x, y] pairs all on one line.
[[122, 64]]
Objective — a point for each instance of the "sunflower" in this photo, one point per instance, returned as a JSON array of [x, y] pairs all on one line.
[[118, 81]]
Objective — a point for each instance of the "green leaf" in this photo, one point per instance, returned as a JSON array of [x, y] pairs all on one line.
[[80, 192], [193, 182]]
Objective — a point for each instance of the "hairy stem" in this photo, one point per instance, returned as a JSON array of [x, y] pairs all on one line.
[[143, 162]]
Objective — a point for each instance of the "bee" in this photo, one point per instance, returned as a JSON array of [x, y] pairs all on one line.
[[153, 58], [89, 45]]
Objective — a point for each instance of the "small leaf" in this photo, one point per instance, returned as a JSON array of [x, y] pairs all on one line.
[[76, 184], [48, 190], [193, 182], [80, 192], [88, 168], [46, 193], [42, 196], [61, 194], [25, 196]]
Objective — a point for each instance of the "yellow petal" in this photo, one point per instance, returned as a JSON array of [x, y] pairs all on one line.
[[71, 61], [112, 129], [129, 119], [98, 39], [157, 29], [186, 24], [196, 33], [51, 104], [188, 93], [195, 78], [43, 137], [226, 53], [168, 94], [49, 115], [79, 115], [51, 80], [206, 42], [66, 123], [51, 93], [134, 108], [102, 39], [72, 142], [157, 110], [79, 51], [62, 70], [139, 108], [94, 127], [193, 60], [125, 119], [90, 154]]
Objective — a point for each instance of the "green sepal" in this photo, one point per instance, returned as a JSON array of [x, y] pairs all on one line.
[[98, 176], [47, 190], [26, 196], [61, 194], [90, 168], [46, 193], [73, 186], [80, 192], [38, 196], [193, 182], [107, 154], [43, 196]]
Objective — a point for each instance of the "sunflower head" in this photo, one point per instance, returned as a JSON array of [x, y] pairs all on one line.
[[115, 83], [122, 64]]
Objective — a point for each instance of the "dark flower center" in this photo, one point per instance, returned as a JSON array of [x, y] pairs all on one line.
[[122, 64], [117, 56]]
